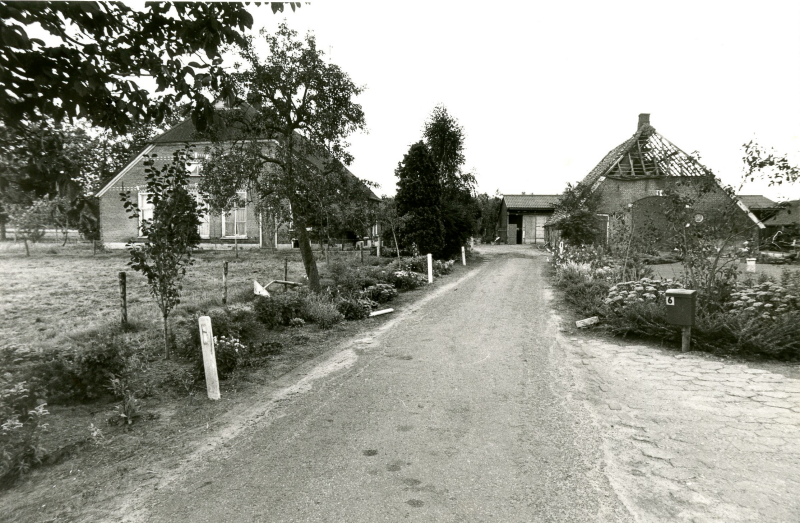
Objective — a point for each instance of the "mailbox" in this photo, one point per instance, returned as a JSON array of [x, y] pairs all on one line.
[[680, 306]]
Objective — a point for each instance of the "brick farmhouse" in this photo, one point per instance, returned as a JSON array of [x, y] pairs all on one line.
[[242, 226]]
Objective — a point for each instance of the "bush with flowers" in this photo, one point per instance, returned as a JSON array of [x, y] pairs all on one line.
[[230, 351], [767, 300], [644, 290]]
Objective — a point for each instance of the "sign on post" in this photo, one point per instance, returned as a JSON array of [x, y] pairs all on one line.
[[430, 268], [209, 357]]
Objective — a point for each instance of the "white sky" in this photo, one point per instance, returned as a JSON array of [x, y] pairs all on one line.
[[545, 90]]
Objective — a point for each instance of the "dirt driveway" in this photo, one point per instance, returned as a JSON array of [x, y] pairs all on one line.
[[474, 406]]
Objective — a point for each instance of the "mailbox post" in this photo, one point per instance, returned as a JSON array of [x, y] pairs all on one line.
[[680, 311]]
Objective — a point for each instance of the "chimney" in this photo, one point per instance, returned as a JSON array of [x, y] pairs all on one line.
[[644, 119]]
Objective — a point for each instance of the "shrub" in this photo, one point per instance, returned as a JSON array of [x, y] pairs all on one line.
[[279, 309], [381, 292], [441, 268], [741, 333], [406, 281], [229, 352], [354, 309], [320, 309], [586, 296], [82, 373], [352, 279], [21, 415]]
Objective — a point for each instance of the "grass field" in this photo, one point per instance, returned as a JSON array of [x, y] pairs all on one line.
[[58, 294], [675, 270]]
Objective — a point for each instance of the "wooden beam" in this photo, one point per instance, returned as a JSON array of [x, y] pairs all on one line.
[[641, 158], [633, 172]]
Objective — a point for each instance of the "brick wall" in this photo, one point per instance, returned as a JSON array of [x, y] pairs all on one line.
[[616, 194]]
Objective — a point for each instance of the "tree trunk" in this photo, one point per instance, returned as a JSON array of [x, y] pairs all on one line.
[[396, 245], [2, 230], [27, 251], [166, 337], [307, 254]]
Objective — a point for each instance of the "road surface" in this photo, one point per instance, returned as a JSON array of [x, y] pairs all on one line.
[[459, 410]]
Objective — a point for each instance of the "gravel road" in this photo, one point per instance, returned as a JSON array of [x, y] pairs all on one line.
[[458, 410]]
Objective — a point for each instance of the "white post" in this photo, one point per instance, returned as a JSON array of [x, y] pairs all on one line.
[[378, 250], [430, 268], [209, 358], [463, 256]]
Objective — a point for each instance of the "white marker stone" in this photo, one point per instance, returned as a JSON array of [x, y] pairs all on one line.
[[209, 357]]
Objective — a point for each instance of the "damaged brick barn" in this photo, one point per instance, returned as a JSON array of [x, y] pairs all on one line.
[[628, 188]]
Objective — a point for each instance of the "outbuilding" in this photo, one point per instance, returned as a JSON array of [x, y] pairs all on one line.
[[522, 217]]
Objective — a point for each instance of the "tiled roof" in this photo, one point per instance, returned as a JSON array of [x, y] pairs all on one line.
[[180, 133], [788, 215], [756, 201], [185, 132], [531, 201]]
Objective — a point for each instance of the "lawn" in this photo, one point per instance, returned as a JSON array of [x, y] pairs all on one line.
[[675, 270], [58, 294]]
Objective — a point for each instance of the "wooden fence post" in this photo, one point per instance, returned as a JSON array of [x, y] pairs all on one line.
[[285, 273], [463, 256], [686, 338], [361, 248], [225, 283], [209, 357], [123, 298]]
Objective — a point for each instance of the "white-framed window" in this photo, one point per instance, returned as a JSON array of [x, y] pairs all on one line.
[[194, 164], [145, 210], [234, 223]]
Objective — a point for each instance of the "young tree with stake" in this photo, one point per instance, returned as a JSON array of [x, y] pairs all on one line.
[[171, 234]]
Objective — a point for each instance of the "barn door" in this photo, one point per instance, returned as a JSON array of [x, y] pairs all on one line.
[[540, 219], [529, 228]]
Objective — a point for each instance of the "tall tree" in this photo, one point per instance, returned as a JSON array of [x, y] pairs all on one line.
[[298, 111], [444, 137], [418, 201]]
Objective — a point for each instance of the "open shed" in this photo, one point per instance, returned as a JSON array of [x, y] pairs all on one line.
[[522, 217]]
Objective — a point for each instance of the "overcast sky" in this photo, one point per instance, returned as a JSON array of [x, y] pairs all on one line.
[[544, 91]]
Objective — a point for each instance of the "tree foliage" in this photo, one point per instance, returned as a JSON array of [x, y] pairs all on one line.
[[171, 234], [418, 201], [579, 224], [298, 111], [434, 197], [488, 215], [94, 50], [69, 161], [767, 164]]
